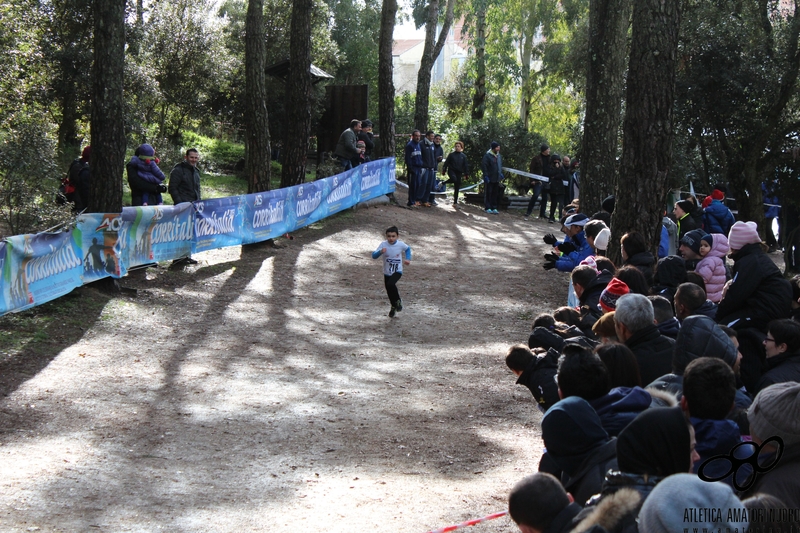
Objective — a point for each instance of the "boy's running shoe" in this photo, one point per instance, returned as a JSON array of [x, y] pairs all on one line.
[[392, 312], [399, 305]]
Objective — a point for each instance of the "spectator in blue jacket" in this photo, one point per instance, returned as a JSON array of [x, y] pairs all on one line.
[[716, 217], [574, 249]]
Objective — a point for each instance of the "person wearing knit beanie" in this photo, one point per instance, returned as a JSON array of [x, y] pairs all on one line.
[[692, 240], [717, 194], [608, 298], [601, 241], [684, 501], [742, 234], [775, 414], [146, 151]]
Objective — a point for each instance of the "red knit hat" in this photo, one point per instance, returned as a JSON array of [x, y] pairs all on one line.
[[717, 194], [707, 201], [612, 293]]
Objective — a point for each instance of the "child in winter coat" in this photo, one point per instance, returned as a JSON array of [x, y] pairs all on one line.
[[713, 248], [147, 166]]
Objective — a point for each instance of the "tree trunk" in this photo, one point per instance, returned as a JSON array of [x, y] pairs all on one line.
[[385, 82], [256, 119], [605, 82], [69, 143], [299, 95], [525, 82], [479, 97], [647, 130], [108, 132], [430, 53]]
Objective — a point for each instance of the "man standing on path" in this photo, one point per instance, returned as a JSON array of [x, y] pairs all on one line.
[[540, 165], [492, 166], [413, 159], [346, 147], [425, 196], [184, 186]]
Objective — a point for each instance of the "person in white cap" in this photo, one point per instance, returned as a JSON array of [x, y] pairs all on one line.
[[574, 249]]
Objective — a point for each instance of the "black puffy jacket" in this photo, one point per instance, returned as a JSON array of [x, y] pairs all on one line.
[[759, 292], [701, 337], [653, 352], [670, 272]]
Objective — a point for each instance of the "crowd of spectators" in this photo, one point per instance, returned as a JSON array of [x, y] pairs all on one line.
[[670, 390]]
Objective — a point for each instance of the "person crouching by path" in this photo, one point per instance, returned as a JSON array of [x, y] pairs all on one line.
[[456, 168], [395, 254]]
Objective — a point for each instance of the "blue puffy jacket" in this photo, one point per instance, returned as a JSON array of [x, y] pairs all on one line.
[[717, 218], [582, 250]]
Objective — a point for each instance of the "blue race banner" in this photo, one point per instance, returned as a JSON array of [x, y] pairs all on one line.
[[265, 215], [5, 281], [377, 178], [218, 223], [101, 246], [156, 233], [40, 268], [342, 191]]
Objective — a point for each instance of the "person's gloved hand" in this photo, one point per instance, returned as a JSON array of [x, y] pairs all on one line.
[[551, 257], [566, 247], [550, 239], [162, 188], [549, 265]]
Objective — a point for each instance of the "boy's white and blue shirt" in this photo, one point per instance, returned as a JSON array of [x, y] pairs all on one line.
[[393, 258]]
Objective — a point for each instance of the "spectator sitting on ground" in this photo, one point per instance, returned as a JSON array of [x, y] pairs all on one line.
[[709, 389], [690, 300], [670, 272], [535, 372], [697, 279], [605, 331], [689, 248], [666, 322], [611, 294], [782, 348], [634, 279], [635, 253], [589, 285], [664, 511], [623, 370], [578, 445], [634, 322], [540, 504], [592, 229], [582, 373], [699, 337], [656, 444], [574, 248], [567, 315]]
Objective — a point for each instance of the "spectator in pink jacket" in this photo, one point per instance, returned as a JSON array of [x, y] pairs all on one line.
[[713, 249]]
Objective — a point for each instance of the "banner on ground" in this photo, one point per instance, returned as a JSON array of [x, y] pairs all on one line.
[[37, 268]]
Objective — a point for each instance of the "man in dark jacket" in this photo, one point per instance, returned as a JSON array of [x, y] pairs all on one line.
[[539, 503], [537, 373], [758, 292], [670, 272], [540, 165], [633, 321], [782, 347], [716, 217], [690, 299], [492, 166], [78, 182], [413, 160], [366, 136], [428, 167], [346, 148], [558, 176], [184, 179]]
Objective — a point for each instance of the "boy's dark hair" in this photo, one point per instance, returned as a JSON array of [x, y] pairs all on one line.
[[392, 229], [537, 500], [786, 331], [567, 315], [690, 295], [604, 263], [662, 309], [634, 279], [582, 373], [593, 227], [709, 386], [191, 150], [633, 243], [795, 282], [605, 216], [544, 321], [583, 275], [621, 363], [697, 279], [519, 357], [730, 332]]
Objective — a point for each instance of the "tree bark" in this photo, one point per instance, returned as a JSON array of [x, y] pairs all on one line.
[[108, 133], [648, 126], [256, 118], [385, 82], [299, 95], [479, 96], [432, 49], [605, 82]]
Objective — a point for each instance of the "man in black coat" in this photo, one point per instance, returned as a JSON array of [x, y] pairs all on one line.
[[634, 323], [782, 347], [184, 179]]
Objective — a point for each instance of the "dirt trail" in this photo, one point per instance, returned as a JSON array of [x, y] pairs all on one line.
[[265, 389]]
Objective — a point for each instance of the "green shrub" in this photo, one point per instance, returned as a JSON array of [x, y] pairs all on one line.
[[215, 155]]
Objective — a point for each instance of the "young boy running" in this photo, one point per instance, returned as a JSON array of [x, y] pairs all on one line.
[[392, 251]]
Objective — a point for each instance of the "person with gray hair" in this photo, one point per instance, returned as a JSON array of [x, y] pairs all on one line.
[[634, 322]]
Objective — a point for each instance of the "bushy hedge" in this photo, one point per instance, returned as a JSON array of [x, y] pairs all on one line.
[[216, 155]]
